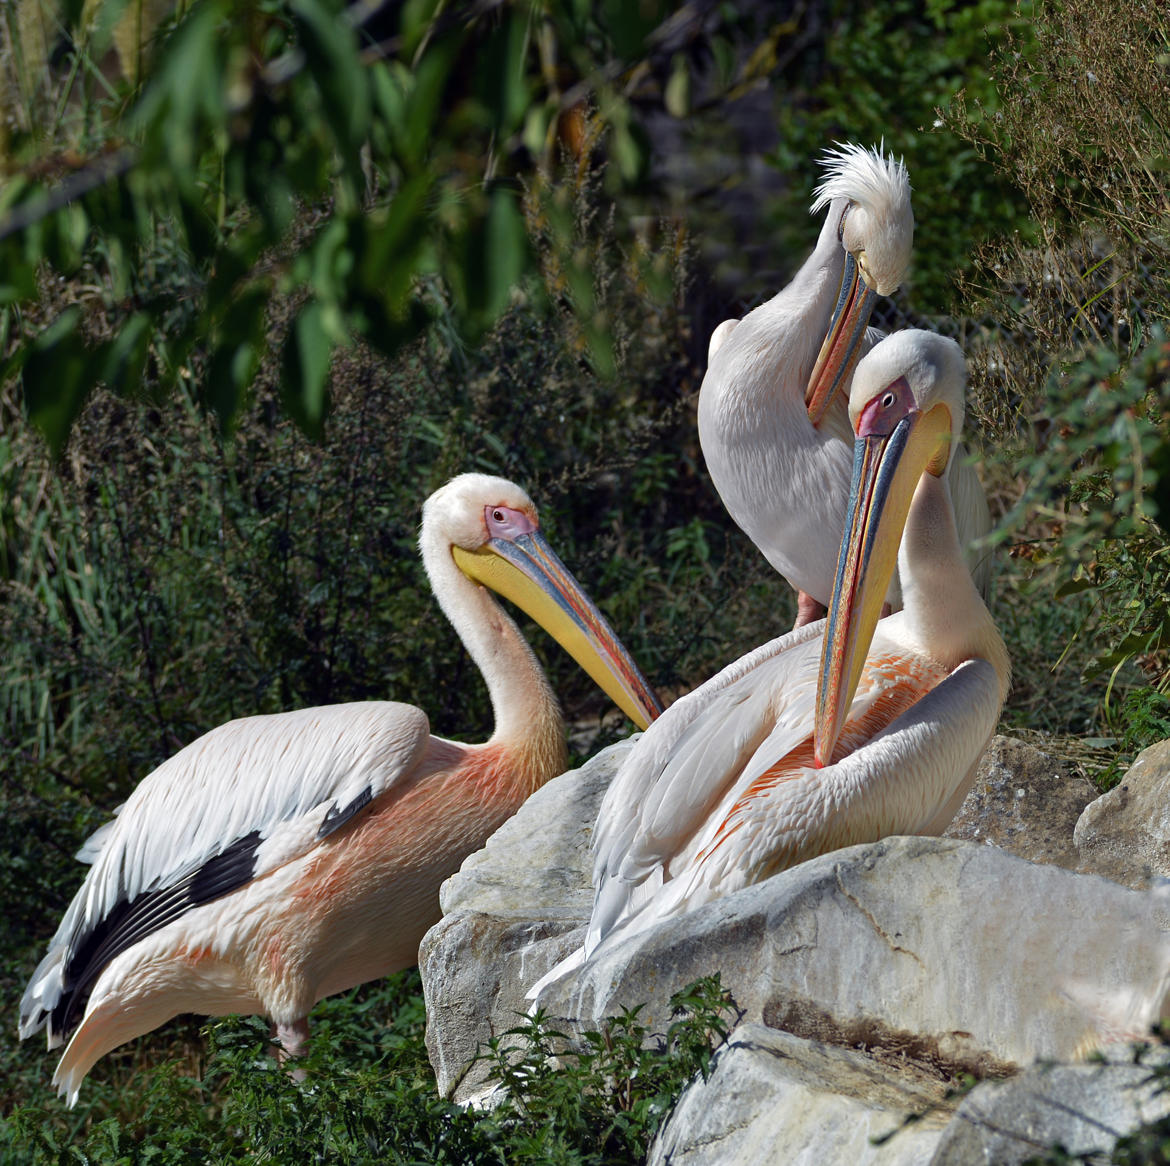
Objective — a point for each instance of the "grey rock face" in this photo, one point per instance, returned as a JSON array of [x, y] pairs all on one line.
[[1024, 801], [1125, 834], [1083, 1108], [965, 947], [538, 865], [772, 1097], [863, 978], [527, 886]]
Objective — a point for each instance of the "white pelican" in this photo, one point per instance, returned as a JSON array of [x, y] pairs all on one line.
[[773, 407], [808, 744], [280, 859]]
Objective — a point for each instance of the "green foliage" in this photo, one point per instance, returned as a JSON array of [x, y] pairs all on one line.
[[406, 140], [1143, 719], [1106, 443], [600, 1099], [1082, 131], [607, 1102], [1071, 385], [889, 73]]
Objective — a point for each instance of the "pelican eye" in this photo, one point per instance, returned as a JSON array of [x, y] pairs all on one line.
[[888, 401], [498, 515], [841, 223]]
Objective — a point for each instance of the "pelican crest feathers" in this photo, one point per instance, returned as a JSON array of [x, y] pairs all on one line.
[[869, 177]]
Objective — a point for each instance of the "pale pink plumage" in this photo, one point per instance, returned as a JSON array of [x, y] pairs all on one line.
[[722, 791], [280, 859], [784, 480]]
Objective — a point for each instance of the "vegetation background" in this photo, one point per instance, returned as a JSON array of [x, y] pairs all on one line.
[[273, 270]]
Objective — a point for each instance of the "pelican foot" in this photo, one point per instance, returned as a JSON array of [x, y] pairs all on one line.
[[808, 610], [291, 1042]]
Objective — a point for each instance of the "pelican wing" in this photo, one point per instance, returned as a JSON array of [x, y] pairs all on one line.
[[972, 518], [722, 792], [685, 763], [240, 801], [909, 777]]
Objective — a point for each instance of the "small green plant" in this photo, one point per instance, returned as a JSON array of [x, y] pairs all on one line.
[[601, 1106], [599, 1099]]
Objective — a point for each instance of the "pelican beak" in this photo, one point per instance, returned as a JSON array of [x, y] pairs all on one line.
[[526, 570], [842, 344], [886, 471]]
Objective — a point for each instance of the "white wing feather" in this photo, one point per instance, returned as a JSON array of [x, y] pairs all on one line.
[[972, 518], [866, 796], [669, 783], [277, 775]]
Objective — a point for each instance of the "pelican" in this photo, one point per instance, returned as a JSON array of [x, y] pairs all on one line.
[[810, 743], [773, 407], [280, 859]]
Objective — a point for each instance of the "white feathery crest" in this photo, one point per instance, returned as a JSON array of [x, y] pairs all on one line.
[[869, 177]]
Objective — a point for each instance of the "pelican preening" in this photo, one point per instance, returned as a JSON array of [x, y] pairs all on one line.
[[810, 743], [773, 414], [280, 859]]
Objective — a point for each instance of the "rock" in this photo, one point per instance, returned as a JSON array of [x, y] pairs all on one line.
[[532, 881], [1082, 1108], [773, 1097], [1024, 801], [1125, 834], [538, 865], [960, 953]]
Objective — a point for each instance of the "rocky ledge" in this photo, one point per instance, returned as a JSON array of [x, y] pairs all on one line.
[[868, 982]]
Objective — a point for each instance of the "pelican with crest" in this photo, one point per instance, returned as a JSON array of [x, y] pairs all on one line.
[[773, 407], [280, 859], [812, 742]]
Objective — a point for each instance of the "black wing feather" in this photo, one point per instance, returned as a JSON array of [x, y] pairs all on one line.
[[129, 922], [336, 818]]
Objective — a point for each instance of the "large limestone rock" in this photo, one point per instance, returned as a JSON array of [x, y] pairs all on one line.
[[1083, 1108], [958, 953], [538, 864], [531, 882], [773, 1097], [1024, 801], [1125, 834]]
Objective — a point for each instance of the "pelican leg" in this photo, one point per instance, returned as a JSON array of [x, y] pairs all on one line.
[[808, 610], [291, 1042]]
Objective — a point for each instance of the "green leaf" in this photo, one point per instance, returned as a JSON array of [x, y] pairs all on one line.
[[58, 375], [677, 95], [1074, 587], [187, 83], [240, 341], [493, 257], [331, 56], [423, 94], [304, 384], [500, 72], [125, 356], [389, 243], [18, 274], [630, 24]]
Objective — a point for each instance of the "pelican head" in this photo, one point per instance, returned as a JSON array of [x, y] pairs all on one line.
[[493, 533], [906, 409], [869, 192]]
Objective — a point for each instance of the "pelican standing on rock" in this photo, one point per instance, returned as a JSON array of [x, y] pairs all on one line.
[[773, 407], [280, 859], [811, 743]]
